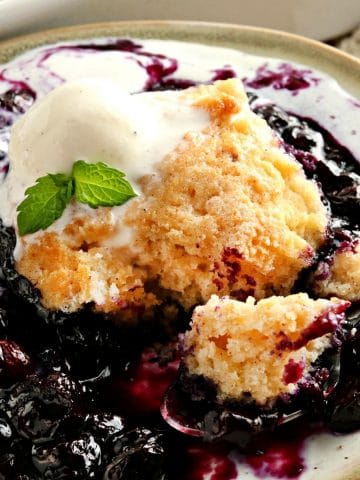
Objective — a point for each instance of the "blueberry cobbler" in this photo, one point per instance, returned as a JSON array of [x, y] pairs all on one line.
[[179, 247]]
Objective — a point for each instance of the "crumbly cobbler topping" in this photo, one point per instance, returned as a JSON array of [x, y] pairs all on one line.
[[341, 277], [228, 212], [263, 348]]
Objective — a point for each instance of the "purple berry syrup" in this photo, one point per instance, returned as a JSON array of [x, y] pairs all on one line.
[[287, 77]]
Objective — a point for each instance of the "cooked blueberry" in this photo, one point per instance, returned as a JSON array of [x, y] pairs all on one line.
[[94, 352], [139, 454], [17, 101], [343, 406], [14, 362], [6, 432], [170, 84], [78, 458], [7, 466], [300, 137], [15, 458], [51, 359], [344, 409], [346, 200], [38, 406], [104, 425], [275, 117], [3, 323], [83, 342], [18, 284]]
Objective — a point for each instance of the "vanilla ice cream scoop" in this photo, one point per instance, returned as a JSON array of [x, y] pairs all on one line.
[[94, 120]]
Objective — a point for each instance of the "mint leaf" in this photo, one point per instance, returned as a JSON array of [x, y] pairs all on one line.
[[44, 203], [97, 184]]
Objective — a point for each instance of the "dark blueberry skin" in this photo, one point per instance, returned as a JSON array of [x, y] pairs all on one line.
[[78, 458], [3, 322], [19, 284], [17, 101], [14, 362], [104, 427], [15, 460], [138, 454], [343, 408], [39, 406]]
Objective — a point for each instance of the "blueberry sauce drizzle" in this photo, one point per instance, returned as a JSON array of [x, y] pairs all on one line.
[[286, 77], [199, 461], [223, 73], [82, 401], [325, 323], [282, 456]]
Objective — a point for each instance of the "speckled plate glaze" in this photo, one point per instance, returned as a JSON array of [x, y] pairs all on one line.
[[327, 457]]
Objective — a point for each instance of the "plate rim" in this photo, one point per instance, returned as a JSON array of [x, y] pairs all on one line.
[[337, 63]]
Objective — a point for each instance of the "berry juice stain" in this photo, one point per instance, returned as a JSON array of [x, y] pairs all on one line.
[[199, 461], [282, 452], [326, 322], [279, 456], [142, 392], [157, 66], [285, 78], [283, 459], [354, 103], [223, 74]]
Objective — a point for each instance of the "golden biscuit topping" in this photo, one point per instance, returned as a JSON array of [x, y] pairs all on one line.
[[262, 348]]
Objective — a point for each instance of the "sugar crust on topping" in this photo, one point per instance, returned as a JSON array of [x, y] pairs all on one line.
[[237, 344], [226, 212], [229, 212]]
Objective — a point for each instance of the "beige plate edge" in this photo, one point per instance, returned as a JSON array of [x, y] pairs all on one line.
[[342, 66]]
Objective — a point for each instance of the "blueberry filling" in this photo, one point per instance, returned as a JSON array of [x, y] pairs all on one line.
[[193, 404]]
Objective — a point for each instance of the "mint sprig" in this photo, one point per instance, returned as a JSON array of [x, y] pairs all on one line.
[[44, 203], [95, 184]]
